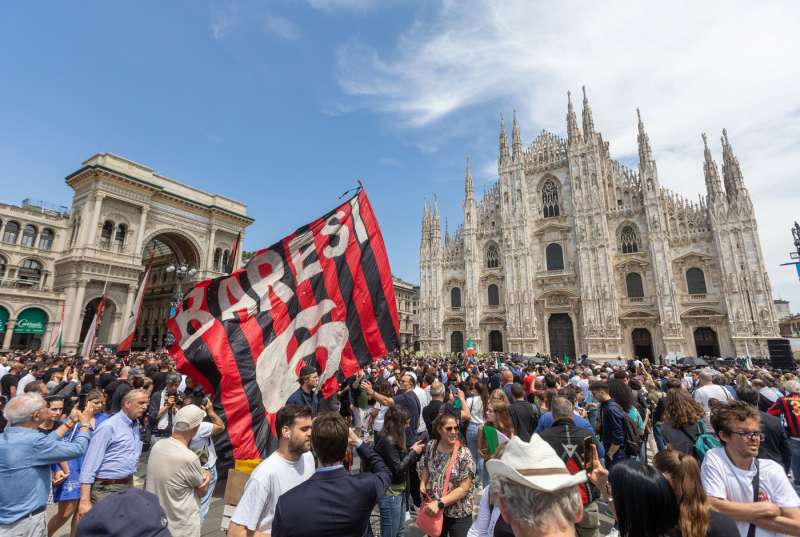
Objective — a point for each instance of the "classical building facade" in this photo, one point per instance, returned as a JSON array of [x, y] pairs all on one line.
[[571, 252], [124, 218], [407, 297]]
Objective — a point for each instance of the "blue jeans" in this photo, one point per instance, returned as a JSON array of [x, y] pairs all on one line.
[[472, 444], [658, 435], [393, 515], [794, 446], [205, 501]]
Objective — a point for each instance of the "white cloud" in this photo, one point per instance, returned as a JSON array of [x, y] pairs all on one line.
[[691, 67], [281, 27], [223, 20]]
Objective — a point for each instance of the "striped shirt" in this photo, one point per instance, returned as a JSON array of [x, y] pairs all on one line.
[[789, 408]]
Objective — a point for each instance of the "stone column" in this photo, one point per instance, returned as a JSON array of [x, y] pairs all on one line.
[[211, 247], [140, 232], [74, 323], [125, 313], [10, 324], [94, 219]]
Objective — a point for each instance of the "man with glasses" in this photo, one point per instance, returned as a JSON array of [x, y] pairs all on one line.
[[754, 492]]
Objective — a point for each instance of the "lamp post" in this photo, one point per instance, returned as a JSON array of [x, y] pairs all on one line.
[[796, 254], [183, 273]]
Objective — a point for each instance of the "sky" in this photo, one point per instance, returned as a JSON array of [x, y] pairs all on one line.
[[284, 104]]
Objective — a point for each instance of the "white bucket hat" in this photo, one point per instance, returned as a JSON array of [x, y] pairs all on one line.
[[535, 465]]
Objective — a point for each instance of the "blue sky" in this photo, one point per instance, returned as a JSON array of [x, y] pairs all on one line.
[[283, 104]]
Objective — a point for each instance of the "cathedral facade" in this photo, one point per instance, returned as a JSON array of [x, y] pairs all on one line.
[[572, 253]]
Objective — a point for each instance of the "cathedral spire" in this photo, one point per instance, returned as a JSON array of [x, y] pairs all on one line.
[[588, 122], [645, 153], [516, 142], [573, 133], [503, 140], [731, 172], [468, 180], [713, 186]]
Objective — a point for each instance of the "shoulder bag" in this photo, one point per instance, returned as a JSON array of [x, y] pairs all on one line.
[[429, 524]]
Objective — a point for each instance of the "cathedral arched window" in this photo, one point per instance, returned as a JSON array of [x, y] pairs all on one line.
[[695, 281], [492, 257], [629, 242], [455, 297], [550, 206], [29, 236], [217, 258], [46, 239], [119, 236], [633, 283], [493, 295], [105, 234], [554, 256]]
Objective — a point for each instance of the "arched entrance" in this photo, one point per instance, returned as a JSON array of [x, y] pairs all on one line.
[[495, 341], [165, 287], [457, 341], [705, 342], [106, 321], [642, 343], [29, 329], [562, 336]]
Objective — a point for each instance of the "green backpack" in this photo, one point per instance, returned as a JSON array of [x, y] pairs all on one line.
[[703, 442]]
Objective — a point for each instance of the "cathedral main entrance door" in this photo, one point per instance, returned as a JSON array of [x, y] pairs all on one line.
[[642, 343], [495, 341], [562, 337], [705, 341]]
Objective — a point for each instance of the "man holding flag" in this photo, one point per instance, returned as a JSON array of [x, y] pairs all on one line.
[[321, 297]]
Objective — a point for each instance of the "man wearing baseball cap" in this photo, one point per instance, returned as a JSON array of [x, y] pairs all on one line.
[[306, 395], [175, 475]]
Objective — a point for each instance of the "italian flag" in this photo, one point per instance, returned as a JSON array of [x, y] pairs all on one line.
[[129, 329], [55, 339]]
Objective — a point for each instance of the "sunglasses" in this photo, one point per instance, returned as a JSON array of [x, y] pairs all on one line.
[[451, 429]]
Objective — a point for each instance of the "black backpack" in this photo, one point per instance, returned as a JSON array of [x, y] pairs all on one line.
[[633, 440]]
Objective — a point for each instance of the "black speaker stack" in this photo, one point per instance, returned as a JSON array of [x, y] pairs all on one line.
[[780, 354]]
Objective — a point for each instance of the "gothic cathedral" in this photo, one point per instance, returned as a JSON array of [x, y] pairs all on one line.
[[572, 253]]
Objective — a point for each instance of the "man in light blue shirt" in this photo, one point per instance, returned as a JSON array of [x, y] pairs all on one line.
[[25, 458], [113, 453]]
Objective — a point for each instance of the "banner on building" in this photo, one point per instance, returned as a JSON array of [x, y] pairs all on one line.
[[321, 296]]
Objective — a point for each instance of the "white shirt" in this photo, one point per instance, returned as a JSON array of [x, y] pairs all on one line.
[[274, 476], [377, 423], [24, 381], [484, 524], [202, 439], [710, 391], [722, 479], [424, 398], [475, 406]]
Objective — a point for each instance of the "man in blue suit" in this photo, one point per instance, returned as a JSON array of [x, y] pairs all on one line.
[[333, 502]]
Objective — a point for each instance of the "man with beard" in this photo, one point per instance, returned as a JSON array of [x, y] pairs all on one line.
[[289, 466]]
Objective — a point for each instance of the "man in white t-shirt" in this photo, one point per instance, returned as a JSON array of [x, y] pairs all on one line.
[[728, 475], [289, 466], [203, 445], [708, 390]]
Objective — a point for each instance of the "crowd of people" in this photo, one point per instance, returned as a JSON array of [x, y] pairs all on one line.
[[479, 446]]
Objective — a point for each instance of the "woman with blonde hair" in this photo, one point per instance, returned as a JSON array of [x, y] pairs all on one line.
[[695, 518], [682, 421]]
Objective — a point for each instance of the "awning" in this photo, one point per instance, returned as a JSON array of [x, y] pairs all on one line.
[[3, 319], [31, 321]]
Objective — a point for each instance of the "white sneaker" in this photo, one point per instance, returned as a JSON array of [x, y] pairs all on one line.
[[613, 533]]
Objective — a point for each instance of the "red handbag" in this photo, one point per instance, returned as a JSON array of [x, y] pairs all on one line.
[[431, 525]]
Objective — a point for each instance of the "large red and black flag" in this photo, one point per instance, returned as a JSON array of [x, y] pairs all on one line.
[[321, 296]]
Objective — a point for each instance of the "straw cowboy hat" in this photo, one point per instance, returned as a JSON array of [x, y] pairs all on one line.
[[535, 465]]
